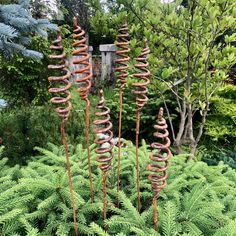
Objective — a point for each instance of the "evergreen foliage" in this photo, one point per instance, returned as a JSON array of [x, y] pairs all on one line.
[[16, 27], [35, 200], [214, 157], [23, 80], [221, 123]]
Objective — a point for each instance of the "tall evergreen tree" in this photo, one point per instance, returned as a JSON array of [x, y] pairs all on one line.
[[16, 27]]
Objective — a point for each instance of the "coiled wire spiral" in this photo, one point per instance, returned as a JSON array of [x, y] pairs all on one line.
[[62, 99], [159, 159], [141, 99], [122, 53], [144, 74], [81, 50], [84, 82], [122, 60], [104, 135]]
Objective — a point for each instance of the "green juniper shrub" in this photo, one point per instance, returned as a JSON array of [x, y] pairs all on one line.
[[35, 199]]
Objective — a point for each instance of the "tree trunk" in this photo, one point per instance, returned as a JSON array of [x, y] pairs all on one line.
[[178, 141], [193, 149]]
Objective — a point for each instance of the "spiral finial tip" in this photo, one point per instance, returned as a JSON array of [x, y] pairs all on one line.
[[160, 114], [75, 21], [58, 33], [126, 19], [101, 93], [145, 43]]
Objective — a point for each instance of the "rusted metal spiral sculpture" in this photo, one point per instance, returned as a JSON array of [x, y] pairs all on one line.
[[64, 100], [144, 74], [84, 82], [122, 60], [60, 89], [81, 51], [159, 159], [122, 53], [104, 135], [141, 99]]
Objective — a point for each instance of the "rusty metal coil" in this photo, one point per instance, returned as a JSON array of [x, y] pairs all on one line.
[[62, 82], [121, 61], [144, 74], [84, 69], [62, 89], [140, 91], [84, 82], [104, 135], [103, 139], [160, 157], [122, 54]]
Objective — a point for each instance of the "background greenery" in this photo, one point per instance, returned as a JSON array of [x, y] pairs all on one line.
[[24, 128], [23, 81], [200, 196]]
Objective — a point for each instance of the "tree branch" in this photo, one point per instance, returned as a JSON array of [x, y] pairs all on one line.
[[175, 93], [169, 117]]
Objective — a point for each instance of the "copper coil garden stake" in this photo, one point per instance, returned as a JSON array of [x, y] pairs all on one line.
[[159, 159], [141, 99], [122, 60], [104, 135], [62, 98], [84, 82]]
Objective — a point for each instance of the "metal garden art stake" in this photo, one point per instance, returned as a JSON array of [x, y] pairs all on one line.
[[159, 163], [141, 99], [84, 82], [121, 69], [60, 88], [104, 135]]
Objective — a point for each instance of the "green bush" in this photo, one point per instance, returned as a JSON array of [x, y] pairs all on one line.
[[24, 80], [24, 128], [35, 200], [221, 123], [213, 158]]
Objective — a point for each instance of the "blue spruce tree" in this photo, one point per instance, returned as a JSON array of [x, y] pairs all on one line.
[[16, 27]]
